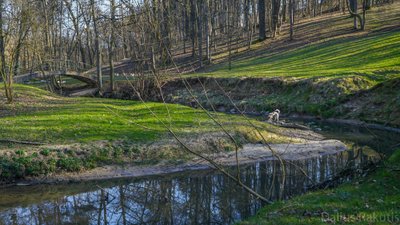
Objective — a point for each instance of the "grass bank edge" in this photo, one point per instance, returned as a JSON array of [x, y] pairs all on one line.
[[374, 198]]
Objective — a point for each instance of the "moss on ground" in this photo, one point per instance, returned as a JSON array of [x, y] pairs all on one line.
[[373, 199]]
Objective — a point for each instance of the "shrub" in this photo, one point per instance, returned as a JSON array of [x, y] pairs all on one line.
[[45, 152], [70, 164], [20, 152]]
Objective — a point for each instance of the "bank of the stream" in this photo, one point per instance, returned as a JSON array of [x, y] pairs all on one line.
[[43, 134], [202, 197], [369, 99], [248, 154], [327, 71], [205, 196], [368, 199]]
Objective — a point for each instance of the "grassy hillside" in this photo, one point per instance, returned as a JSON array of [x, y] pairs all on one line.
[[82, 133], [38, 115], [325, 46], [329, 70], [348, 97], [372, 54]]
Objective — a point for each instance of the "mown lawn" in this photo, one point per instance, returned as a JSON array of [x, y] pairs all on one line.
[[326, 46], [84, 133], [375, 54], [40, 116]]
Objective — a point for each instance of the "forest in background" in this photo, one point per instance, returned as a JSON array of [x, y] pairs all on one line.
[[154, 34]]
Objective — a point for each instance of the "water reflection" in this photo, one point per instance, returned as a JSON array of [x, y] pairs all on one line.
[[203, 197], [379, 140]]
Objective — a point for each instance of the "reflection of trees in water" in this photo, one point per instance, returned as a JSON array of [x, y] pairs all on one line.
[[203, 198]]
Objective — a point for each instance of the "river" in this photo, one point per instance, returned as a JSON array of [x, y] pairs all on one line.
[[196, 197]]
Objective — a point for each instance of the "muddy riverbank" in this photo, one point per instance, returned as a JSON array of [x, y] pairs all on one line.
[[250, 153]]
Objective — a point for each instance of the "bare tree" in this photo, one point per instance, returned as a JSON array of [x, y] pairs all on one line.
[[97, 44], [111, 44], [13, 33], [353, 8]]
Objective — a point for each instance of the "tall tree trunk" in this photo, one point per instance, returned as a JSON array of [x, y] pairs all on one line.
[[185, 25], [353, 7], [315, 8], [213, 26], [200, 13], [230, 23], [193, 26], [246, 15], [207, 29], [165, 40], [97, 46], [283, 17], [78, 33], [275, 16], [3, 71], [111, 46], [261, 16], [291, 14]]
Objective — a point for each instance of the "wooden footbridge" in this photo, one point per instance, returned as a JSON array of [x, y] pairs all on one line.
[[54, 72]]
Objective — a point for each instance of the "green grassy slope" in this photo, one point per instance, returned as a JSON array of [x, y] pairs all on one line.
[[372, 54], [329, 70], [84, 133], [40, 116], [326, 47]]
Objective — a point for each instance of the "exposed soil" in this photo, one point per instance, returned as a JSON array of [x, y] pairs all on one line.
[[249, 154]]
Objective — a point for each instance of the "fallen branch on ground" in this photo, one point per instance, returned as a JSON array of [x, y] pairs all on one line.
[[20, 142]]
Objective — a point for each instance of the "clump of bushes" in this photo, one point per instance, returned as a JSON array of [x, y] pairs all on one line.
[[70, 164], [20, 164]]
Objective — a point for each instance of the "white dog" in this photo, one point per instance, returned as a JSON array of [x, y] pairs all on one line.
[[274, 116]]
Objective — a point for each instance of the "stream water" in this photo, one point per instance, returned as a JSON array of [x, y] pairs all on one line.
[[197, 197]]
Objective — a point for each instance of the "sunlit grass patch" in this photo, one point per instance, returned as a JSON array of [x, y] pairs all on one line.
[[345, 56], [43, 117]]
